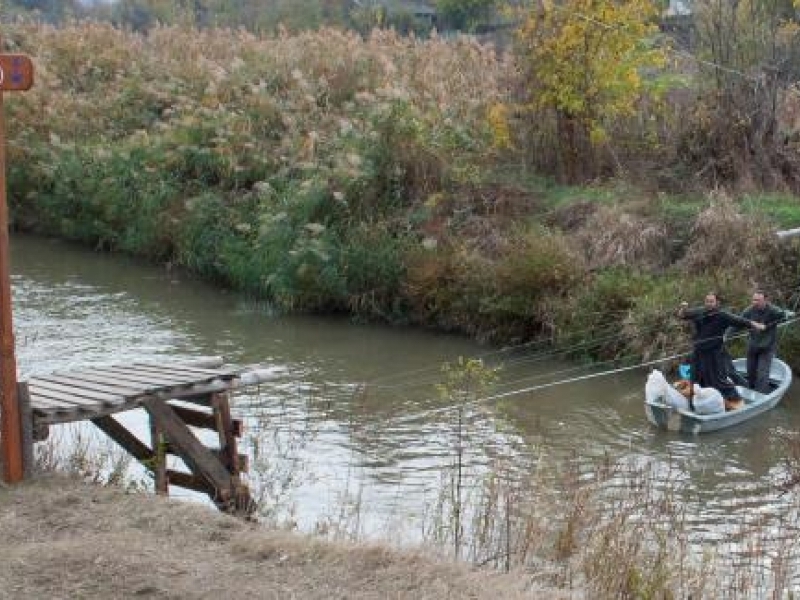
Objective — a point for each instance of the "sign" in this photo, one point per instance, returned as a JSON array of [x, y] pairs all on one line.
[[16, 72]]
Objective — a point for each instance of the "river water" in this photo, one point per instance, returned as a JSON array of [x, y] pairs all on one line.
[[351, 426]]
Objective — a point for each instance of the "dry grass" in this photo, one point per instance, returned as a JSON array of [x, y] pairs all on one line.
[[612, 238], [599, 529], [620, 530], [723, 238], [66, 539], [301, 97]]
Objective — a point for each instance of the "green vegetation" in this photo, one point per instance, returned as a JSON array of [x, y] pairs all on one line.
[[465, 15], [398, 179]]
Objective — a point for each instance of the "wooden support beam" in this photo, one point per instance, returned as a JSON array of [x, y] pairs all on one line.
[[113, 429], [197, 393], [189, 481], [204, 420], [200, 460], [41, 431], [243, 461], [213, 471], [242, 502], [242, 464]]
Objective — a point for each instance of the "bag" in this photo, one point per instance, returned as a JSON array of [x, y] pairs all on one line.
[[677, 400], [657, 389], [708, 401]]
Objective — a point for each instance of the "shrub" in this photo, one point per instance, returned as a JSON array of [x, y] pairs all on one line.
[[722, 239], [373, 267], [510, 295], [613, 238]]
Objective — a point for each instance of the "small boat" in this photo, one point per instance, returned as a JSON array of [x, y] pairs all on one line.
[[664, 416]]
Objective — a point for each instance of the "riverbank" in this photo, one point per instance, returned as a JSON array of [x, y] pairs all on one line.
[[327, 173], [63, 538]]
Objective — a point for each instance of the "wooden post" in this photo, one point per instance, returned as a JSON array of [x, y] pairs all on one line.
[[16, 73], [26, 415], [227, 439], [11, 434], [200, 460], [242, 501], [117, 432], [158, 443]]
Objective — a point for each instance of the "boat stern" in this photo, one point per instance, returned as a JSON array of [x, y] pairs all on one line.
[[668, 418]]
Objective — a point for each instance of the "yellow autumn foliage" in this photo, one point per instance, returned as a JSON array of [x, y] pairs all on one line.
[[586, 58], [497, 116]]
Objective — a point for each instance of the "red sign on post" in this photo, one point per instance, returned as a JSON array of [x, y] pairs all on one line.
[[16, 72]]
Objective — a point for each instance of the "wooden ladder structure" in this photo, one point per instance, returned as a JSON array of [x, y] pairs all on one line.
[[177, 397]]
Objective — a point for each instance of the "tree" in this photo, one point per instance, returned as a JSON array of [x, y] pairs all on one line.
[[143, 14], [50, 10], [464, 15], [583, 62], [750, 57]]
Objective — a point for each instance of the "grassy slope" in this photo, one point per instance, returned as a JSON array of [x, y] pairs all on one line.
[[65, 539]]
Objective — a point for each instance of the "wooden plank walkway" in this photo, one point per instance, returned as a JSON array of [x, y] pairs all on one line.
[[96, 393], [66, 396]]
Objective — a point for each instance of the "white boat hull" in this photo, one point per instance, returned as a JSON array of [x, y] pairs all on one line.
[[664, 416]]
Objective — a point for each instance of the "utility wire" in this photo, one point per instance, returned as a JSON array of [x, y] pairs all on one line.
[[376, 382], [494, 397], [557, 352], [550, 384], [540, 358]]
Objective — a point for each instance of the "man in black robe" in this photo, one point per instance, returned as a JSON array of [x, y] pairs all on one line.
[[709, 359]]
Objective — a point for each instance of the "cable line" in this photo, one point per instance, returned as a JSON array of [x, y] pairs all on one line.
[[435, 371], [494, 397], [498, 352], [550, 384]]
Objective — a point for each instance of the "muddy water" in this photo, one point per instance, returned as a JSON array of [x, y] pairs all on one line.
[[351, 431]]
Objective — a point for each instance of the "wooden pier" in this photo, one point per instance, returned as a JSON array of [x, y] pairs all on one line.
[[176, 396]]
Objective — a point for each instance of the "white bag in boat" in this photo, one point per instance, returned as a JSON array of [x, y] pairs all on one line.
[[658, 389], [676, 399], [655, 390], [708, 401]]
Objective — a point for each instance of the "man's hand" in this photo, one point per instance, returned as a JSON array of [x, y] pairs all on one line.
[[757, 326]]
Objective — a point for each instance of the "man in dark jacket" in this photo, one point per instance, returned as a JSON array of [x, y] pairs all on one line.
[[761, 344], [709, 360]]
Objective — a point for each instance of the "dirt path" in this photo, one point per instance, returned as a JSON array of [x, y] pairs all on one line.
[[61, 538]]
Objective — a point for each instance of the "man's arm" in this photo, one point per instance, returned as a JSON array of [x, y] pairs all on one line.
[[684, 312], [742, 323], [778, 315], [747, 316]]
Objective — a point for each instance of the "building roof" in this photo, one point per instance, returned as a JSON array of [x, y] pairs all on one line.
[[419, 9]]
